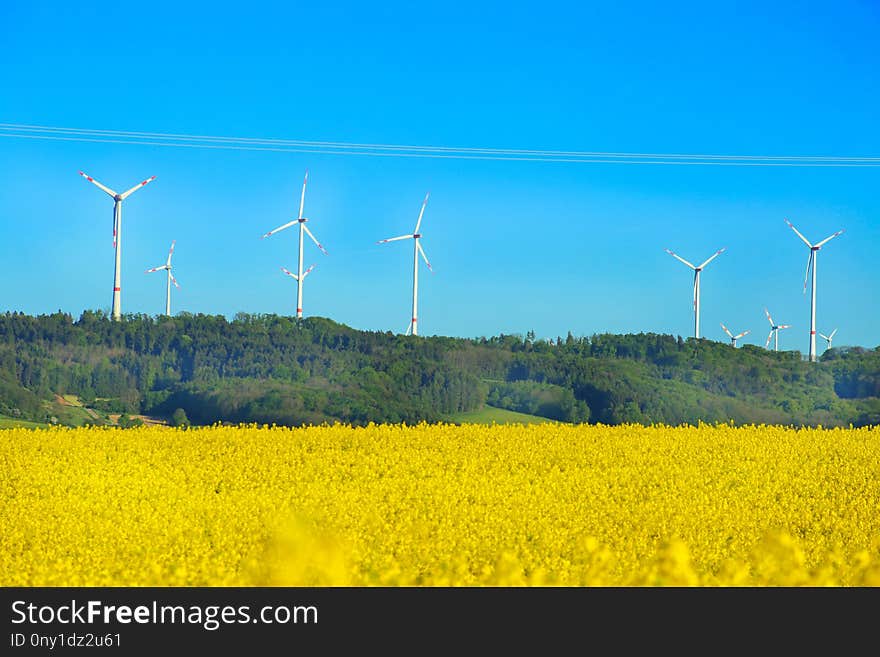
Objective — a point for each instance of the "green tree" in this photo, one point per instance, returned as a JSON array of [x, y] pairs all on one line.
[[179, 418]]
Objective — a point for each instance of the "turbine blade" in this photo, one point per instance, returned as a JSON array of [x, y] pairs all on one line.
[[726, 331], [279, 229], [832, 333], [97, 184], [131, 191], [306, 272], [769, 319], [302, 198], [116, 210], [173, 280], [828, 239], [769, 337], [170, 252], [159, 268], [714, 255], [424, 257], [807, 272], [823, 336], [806, 241], [290, 273], [678, 257], [741, 335], [394, 239], [784, 326], [408, 328], [315, 240], [421, 212]]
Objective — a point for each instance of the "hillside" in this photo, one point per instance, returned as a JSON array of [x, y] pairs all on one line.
[[266, 368]]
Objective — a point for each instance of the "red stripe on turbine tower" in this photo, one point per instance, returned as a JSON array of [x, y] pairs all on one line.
[[117, 289]]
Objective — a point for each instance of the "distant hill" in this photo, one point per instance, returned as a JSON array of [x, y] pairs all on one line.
[[267, 368]]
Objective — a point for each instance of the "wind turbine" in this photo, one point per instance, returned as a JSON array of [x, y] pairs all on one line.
[[297, 277], [301, 220], [171, 279], [697, 271], [811, 263], [774, 331], [417, 249], [734, 338], [116, 311], [828, 338]]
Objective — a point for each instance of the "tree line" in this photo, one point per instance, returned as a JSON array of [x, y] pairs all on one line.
[[270, 368]]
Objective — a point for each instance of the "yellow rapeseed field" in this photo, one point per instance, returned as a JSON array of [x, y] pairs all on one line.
[[440, 505]]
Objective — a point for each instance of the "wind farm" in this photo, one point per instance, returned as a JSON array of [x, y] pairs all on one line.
[[412, 328]]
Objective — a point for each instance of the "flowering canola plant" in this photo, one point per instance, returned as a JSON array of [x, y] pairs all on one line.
[[440, 504]]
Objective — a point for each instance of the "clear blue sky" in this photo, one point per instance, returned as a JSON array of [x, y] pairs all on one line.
[[550, 247]]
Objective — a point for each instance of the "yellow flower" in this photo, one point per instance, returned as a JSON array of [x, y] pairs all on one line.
[[438, 505]]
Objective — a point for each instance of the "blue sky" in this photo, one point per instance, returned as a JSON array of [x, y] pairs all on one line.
[[516, 246]]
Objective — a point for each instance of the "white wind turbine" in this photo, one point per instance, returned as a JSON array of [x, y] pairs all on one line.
[[417, 249], [774, 331], [697, 271], [300, 275], [116, 311], [734, 338], [811, 263], [828, 338], [170, 278]]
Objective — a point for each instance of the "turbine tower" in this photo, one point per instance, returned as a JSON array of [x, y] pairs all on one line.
[[301, 220], [811, 264], [828, 338], [116, 311], [774, 331], [697, 271], [417, 249], [171, 279], [734, 338]]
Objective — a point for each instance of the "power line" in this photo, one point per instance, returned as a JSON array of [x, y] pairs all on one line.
[[57, 133], [354, 145]]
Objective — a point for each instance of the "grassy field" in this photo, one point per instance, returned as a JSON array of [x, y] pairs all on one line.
[[11, 422], [490, 414]]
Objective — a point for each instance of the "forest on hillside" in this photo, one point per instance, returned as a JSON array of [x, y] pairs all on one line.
[[204, 369]]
